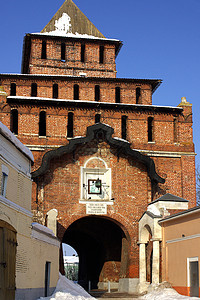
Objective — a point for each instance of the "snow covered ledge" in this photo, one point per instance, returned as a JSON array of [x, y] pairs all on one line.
[[44, 234]]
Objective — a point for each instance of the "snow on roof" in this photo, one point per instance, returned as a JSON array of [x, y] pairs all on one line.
[[73, 35], [12, 138], [86, 101], [42, 228], [120, 139]]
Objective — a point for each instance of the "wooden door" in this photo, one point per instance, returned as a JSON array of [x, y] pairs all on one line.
[[7, 261]]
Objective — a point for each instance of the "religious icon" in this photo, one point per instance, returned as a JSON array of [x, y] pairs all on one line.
[[93, 187]]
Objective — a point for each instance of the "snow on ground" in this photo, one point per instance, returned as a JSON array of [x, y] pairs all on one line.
[[67, 290], [163, 291]]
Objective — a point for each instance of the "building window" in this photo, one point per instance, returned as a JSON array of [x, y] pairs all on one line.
[[44, 50], [76, 92], [138, 95], [150, 129], [117, 95], [4, 179], [124, 127], [82, 53], [63, 49], [97, 93], [13, 89], [14, 121], [34, 90], [101, 54], [175, 125], [42, 123], [55, 91], [97, 118], [70, 125], [47, 278]]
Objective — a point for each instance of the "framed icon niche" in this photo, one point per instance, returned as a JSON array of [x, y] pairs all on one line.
[[94, 186]]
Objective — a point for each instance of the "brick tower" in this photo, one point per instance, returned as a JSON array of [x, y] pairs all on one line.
[[102, 151]]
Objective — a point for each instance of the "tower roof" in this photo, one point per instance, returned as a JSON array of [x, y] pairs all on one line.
[[69, 19]]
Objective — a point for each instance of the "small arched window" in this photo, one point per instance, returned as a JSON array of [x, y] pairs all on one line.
[[34, 90], [13, 89], [14, 121], [101, 54], [124, 127], [97, 93], [117, 94], [97, 118], [83, 53], [42, 123], [44, 50], [150, 129], [63, 49], [138, 95], [70, 125], [55, 91], [76, 92]]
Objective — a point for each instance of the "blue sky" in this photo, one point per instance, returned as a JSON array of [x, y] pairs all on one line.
[[161, 41]]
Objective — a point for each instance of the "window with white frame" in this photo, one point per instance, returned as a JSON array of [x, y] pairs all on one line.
[[4, 179]]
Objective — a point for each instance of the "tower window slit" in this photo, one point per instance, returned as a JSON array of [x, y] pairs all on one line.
[[175, 130], [97, 93], [82, 53], [13, 89], [14, 121], [63, 50], [101, 54], [150, 129], [42, 123], [34, 90], [55, 91], [124, 127], [76, 92], [138, 95], [44, 50], [70, 125], [117, 95]]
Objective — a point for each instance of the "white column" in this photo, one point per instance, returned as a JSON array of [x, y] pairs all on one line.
[[156, 262], [142, 263]]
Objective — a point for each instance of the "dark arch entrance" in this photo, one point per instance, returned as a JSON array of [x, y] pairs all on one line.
[[102, 248]]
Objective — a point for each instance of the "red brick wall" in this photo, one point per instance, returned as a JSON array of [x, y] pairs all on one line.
[[73, 65], [86, 89]]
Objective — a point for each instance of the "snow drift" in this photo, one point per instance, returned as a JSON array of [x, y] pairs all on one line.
[[164, 291], [67, 290]]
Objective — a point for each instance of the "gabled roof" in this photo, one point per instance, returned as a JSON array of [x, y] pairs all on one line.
[[170, 197], [70, 19], [93, 132]]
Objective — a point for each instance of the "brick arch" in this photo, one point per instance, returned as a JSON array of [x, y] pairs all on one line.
[[102, 245]]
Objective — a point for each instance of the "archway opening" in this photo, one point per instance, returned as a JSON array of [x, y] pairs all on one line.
[[71, 262], [102, 248]]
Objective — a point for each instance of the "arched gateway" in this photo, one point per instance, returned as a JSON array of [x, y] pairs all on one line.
[[102, 247], [92, 182]]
